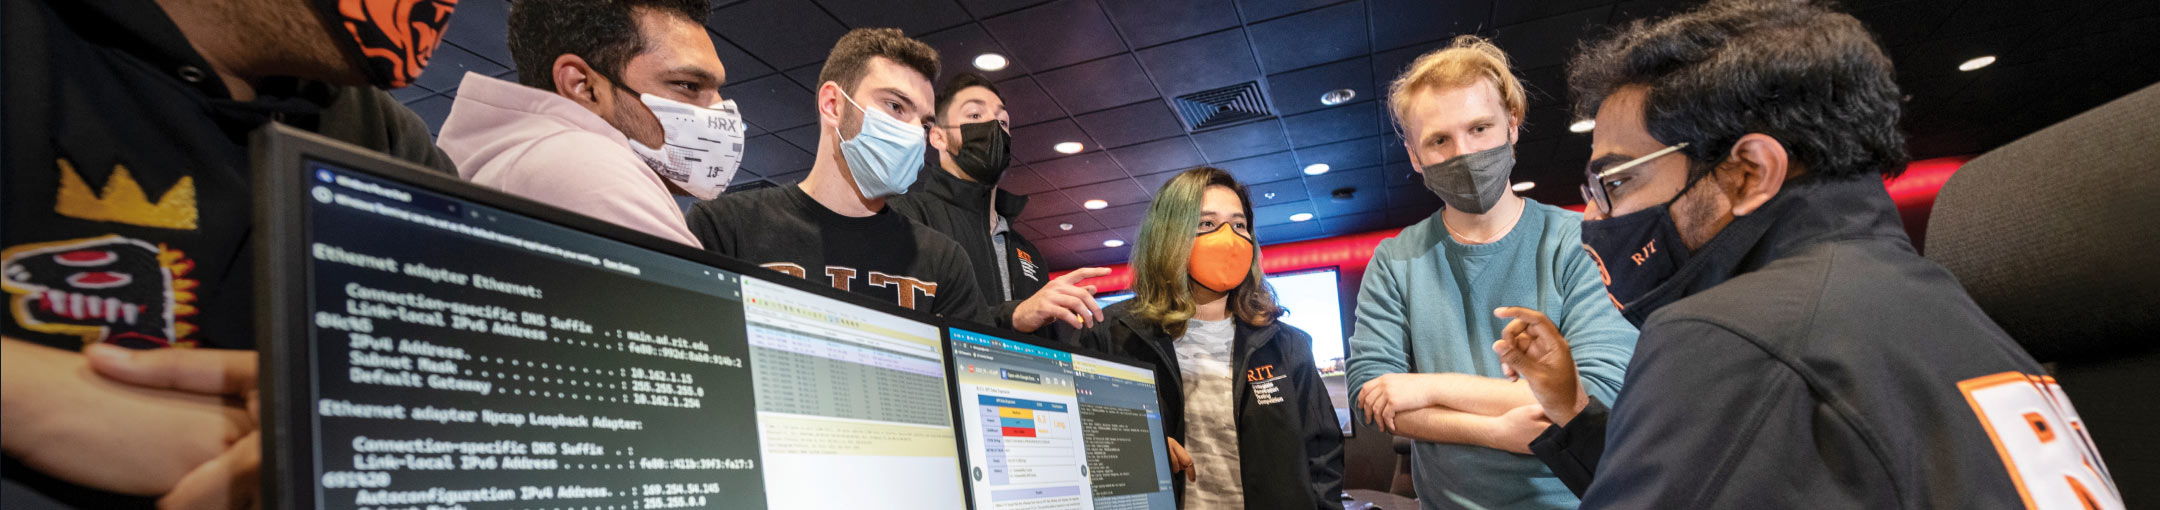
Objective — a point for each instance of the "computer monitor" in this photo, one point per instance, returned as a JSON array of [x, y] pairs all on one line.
[[1053, 428], [430, 342]]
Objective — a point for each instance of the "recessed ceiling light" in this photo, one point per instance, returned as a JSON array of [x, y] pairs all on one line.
[[1524, 186], [1069, 147], [1095, 204], [1977, 63], [1113, 243], [1337, 96], [1064, 226], [1301, 216], [990, 62], [1316, 169], [1582, 126]]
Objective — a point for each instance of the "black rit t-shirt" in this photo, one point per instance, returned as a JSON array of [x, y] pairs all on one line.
[[884, 255]]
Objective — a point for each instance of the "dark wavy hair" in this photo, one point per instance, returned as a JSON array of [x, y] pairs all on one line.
[[603, 32], [1812, 78]]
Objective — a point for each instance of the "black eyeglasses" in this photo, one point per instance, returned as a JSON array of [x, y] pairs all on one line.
[[1593, 187]]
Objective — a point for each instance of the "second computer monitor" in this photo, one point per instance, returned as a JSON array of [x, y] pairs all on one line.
[[1050, 428]]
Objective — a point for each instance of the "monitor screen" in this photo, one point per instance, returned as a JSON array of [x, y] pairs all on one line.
[[467, 355], [1048, 428]]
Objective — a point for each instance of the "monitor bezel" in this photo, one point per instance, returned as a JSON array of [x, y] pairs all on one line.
[[281, 300], [952, 382]]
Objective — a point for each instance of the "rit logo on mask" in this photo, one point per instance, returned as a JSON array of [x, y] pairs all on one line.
[[1643, 255]]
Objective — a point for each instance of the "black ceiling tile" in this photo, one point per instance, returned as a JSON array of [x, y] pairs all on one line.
[[740, 65], [1071, 242], [1548, 41], [1037, 142], [1047, 204], [1259, 10], [1139, 122], [958, 46], [804, 137], [768, 155], [988, 8], [1399, 23], [1311, 38], [1299, 91], [1286, 232], [1365, 200], [1389, 65], [483, 27], [1122, 215], [1351, 154], [1097, 85], [784, 33], [1367, 181], [1903, 23], [1159, 156], [1401, 175], [450, 65], [1244, 140], [1544, 86], [752, 129], [1056, 34], [774, 102], [1150, 22], [1630, 10], [1263, 168], [1027, 103], [1278, 192], [411, 93], [1550, 122], [807, 76], [1533, 157], [1354, 223], [1412, 197], [1154, 182], [1114, 192], [1021, 179], [1404, 215], [1081, 223], [1078, 169], [433, 110], [1280, 213], [1210, 61], [1978, 16], [1027, 231], [1510, 13], [1347, 122], [1941, 56], [915, 18], [1105, 256]]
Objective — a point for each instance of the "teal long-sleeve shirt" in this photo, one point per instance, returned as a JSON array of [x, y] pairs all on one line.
[[1426, 306]]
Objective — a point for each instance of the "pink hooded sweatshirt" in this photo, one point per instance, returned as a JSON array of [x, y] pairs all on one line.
[[541, 146]]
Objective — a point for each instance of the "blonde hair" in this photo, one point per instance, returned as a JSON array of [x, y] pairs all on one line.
[[1466, 60]]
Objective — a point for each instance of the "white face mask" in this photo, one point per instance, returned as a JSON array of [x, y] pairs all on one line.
[[703, 148]]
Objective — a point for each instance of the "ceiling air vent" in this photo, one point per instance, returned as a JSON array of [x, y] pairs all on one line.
[[1214, 108]]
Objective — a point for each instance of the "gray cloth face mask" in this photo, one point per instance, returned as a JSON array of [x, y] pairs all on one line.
[[1473, 182]]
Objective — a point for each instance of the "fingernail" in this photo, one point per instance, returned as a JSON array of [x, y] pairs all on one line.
[[108, 352]]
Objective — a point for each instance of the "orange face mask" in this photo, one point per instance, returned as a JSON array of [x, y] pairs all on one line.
[[1221, 259]]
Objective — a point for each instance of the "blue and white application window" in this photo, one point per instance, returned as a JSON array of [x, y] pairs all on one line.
[[1048, 429]]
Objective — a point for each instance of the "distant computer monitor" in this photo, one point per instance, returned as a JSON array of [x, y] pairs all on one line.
[[427, 342], [1049, 428]]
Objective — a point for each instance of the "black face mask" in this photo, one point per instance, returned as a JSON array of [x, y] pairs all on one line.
[[985, 151], [1636, 252]]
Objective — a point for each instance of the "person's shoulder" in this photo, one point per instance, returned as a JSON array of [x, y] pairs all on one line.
[[764, 198], [1413, 241]]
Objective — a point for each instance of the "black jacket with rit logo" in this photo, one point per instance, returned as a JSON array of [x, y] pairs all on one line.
[[1290, 447]]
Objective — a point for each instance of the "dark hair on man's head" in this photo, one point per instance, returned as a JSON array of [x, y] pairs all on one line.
[[957, 83], [603, 32], [850, 58], [1810, 77]]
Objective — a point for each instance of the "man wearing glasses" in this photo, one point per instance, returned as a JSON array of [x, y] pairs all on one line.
[[1420, 366], [1795, 350]]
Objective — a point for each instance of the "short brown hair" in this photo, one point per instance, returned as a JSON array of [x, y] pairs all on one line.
[[850, 58], [1466, 60]]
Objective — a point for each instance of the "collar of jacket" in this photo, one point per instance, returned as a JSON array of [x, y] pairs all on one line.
[[972, 196], [1161, 340], [1806, 213]]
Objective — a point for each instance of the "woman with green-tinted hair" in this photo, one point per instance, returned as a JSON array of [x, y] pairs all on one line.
[[1248, 420]]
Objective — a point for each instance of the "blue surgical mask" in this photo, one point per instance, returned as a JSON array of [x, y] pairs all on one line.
[[885, 155]]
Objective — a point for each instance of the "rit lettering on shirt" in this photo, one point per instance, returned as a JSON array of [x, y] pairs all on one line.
[[843, 278], [2042, 441], [1262, 379]]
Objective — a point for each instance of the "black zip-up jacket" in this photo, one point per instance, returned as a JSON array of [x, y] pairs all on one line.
[[1823, 364], [1290, 452], [961, 210]]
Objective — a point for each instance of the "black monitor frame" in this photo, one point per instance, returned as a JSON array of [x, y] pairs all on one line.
[[952, 380], [281, 305]]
